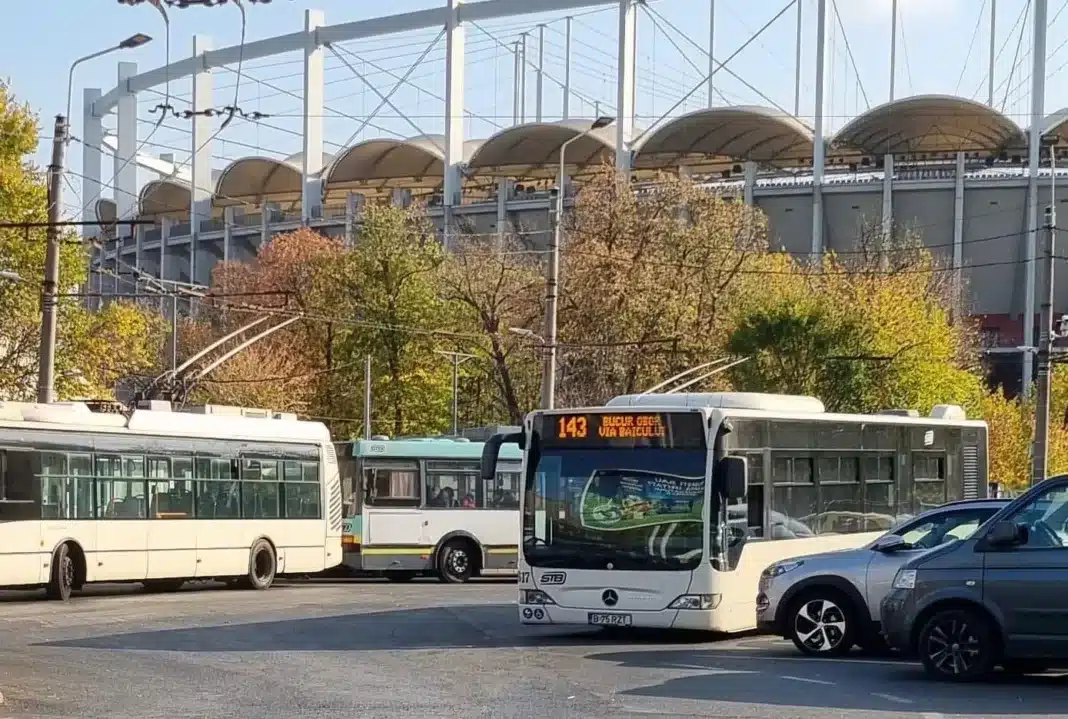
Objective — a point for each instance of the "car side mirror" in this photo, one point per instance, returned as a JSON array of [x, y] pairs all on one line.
[[890, 544], [732, 477], [1007, 534]]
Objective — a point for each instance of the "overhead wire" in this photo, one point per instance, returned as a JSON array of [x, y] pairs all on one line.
[[849, 52], [971, 47]]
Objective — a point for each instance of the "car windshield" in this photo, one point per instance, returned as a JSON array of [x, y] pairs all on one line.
[[615, 509]]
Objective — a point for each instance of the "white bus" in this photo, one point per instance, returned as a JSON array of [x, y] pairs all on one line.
[[416, 506], [662, 510], [163, 497]]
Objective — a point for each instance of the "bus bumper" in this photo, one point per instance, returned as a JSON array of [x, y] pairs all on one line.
[[684, 619]]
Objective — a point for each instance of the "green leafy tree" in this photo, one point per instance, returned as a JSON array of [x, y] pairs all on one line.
[[93, 351], [385, 289]]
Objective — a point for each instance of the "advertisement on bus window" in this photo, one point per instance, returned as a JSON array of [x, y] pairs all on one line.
[[616, 500]]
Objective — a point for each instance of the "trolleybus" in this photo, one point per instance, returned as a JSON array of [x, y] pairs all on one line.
[[417, 506], [662, 510], [162, 497]]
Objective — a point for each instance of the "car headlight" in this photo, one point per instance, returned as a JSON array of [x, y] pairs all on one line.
[[780, 568], [534, 596], [696, 601], [905, 579]]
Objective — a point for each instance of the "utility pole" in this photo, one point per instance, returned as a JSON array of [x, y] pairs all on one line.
[[47, 356], [552, 288], [367, 397], [1045, 356], [457, 358], [1046, 335]]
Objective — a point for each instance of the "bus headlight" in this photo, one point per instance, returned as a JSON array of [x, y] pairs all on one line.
[[696, 601], [905, 579], [534, 596]]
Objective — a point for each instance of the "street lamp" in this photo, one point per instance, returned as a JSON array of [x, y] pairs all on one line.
[[134, 41], [548, 376]]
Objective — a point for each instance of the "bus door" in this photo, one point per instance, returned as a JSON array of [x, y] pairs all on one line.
[[392, 498]]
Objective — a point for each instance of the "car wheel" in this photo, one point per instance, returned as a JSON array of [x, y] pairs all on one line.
[[958, 645], [823, 623]]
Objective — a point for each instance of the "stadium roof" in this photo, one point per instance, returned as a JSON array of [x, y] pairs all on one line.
[[415, 163], [532, 151], [912, 125], [252, 180], [929, 123], [760, 134]]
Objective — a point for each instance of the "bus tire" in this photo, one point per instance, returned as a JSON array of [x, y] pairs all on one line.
[[61, 581], [162, 585], [457, 561], [822, 622], [262, 565]]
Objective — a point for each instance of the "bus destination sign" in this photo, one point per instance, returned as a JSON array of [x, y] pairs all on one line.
[[624, 429]]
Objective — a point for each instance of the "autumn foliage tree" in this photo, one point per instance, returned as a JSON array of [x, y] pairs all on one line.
[[646, 283]]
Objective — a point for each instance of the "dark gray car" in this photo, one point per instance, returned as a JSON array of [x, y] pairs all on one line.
[[999, 597]]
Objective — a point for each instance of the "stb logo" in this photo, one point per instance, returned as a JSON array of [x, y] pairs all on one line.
[[553, 578]]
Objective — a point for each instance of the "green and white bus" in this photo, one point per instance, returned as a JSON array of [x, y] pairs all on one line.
[[417, 506]]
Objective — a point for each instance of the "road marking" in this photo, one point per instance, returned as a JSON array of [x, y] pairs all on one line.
[[807, 680], [892, 698], [932, 715]]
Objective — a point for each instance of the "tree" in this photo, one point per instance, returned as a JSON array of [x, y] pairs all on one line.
[[864, 333], [385, 291], [491, 289], [646, 279], [285, 371], [93, 351]]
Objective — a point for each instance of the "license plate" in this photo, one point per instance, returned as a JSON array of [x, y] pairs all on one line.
[[607, 619]]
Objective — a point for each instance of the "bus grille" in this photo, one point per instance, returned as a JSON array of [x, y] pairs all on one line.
[[971, 472]]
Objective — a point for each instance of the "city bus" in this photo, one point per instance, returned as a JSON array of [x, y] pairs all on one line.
[[161, 496], [416, 507], [662, 510]]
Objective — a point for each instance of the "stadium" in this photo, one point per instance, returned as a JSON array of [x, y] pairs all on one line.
[[961, 174]]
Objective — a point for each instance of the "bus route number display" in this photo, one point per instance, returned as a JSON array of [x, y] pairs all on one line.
[[610, 426]]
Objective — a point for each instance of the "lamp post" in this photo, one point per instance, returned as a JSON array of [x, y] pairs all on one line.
[[134, 41], [552, 280], [46, 368]]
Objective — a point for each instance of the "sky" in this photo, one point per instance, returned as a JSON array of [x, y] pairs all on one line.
[[942, 47]]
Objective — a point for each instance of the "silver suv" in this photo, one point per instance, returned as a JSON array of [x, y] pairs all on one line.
[[827, 603]]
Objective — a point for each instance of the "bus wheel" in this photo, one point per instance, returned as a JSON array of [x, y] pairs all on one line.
[[400, 576], [822, 623], [262, 565], [457, 561], [163, 585], [61, 581]]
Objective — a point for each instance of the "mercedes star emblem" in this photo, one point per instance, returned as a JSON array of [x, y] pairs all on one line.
[[609, 597]]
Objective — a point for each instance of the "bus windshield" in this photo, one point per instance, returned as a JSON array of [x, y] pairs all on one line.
[[609, 500]]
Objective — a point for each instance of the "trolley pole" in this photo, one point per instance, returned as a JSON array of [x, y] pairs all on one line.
[[47, 355], [1040, 452]]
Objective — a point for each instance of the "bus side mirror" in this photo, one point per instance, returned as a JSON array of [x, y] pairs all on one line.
[[732, 476], [492, 448]]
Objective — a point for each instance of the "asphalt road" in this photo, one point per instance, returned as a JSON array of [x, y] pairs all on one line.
[[373, 649]]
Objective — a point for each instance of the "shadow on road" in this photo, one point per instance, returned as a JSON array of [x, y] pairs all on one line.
[[891, 685], [458, 626]]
